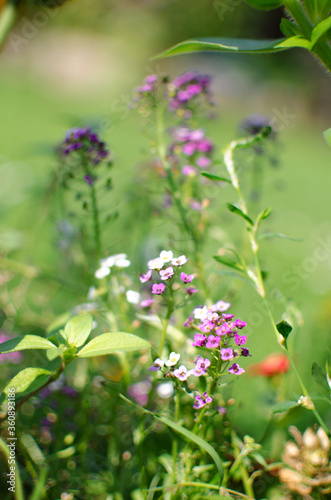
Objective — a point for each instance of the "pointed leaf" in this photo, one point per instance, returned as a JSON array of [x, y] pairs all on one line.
[[108, 343], [327, 136], [264, 214], [28, 380], [196, 439], [320, 30], [78, 329], [25, 342], [229, 263], [284, 406], [278, 235], [289, 28], [320, 377], [284, 328], [265, 4], [237, 211], [213, 177], [237, 45]]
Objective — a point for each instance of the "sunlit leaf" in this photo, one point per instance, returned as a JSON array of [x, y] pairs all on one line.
[[28, 380], [213, 177], [235, 45], [108, 343], [320, 30], [196, 439], [25, 342], [78, 329], [289, 28], [237, 211], [284, 406]]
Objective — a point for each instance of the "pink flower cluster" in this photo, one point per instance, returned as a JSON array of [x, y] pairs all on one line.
[[167, 267], [193, 147], [218, 330], [189, 90]]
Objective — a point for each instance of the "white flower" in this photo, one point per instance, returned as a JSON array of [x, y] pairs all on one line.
[[173, 359], [165, 390], [166, 256], [181, 373], [179, 261], [155, 264], [108, 261], [122, 262], [220, 306], [118, 260], [132, 296], [92, 293], [200, 313], [102, 272]]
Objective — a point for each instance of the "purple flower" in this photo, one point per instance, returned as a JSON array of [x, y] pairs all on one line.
[[201, 366], [196, 135], [181, 373], [146, 303], [245, 352], [240, 324], [189, 171], [145, 277], [191, 290], [221, 410], [236, 370], [186, 278], [189, 148], [89, 179], [213, 342], [139, 392], [203, 161], [157, 365], [158, 288], [205, 146], [240, 340], [226, 354], [206, 326], [227, 317], [201, 401], [166, 273], [88, 144], [199, 340]]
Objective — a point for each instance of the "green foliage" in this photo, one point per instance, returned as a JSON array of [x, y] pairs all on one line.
[[284, 406], [320, 377], [78, 329], [108, 343], [28, 380], [265, 4], [320, 30], [213, 177], [26, 342], [239, 212], [284, 329], [327, 136]]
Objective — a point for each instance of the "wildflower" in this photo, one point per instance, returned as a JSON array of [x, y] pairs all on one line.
[[155, 264], [167, 273], [254, 124], [189, 89], [189, 322], [227, 317], [179, 261], [189, 171], [145, 277], [240, 340], [221, 410], [223, 330], [166, 256], [271, 365], [201, 366], [213, 342], [173, 359], [199, 340], [206, 326], [139, 392], [118, 260], [200, 313], [236, 370], [201, 401], [102, 272], [87, 143], [132, 297], [147, 303], [191, 290], [181, 373], [220, 306], [165, 390], [158, 288], [245, 352], [226, 354], [186, 278], [203, 161], [240, 324], [157, 365]]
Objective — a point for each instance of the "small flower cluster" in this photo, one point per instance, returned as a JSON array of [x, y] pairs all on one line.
[[120, 260], [218, 330], [167, 266], [85, 142], [189, 90], [181, 373], [194, 147]]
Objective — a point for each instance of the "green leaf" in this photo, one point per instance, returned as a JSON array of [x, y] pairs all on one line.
[[54, 353], [265, 4], [229, 263], [28, 380], [213, 177], [327, 136], [296, 41], [196, 439], [78, 329], [264, 214], [289, 28], [108, 343], [284, 328], [320, 30], [320, 377], [278, 235], [58, 323], [284, 406], [25, 342], [236, 45], [237, 211]]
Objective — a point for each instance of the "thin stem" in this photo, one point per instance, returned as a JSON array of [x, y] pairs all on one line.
[[221, 490], [18, 490], [8, 18], [95, 212], [175, 441], [166, 320]]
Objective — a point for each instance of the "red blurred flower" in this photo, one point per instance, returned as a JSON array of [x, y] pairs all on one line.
[[271, 365]]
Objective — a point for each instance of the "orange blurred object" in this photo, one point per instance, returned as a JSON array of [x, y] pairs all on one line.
[[271, 365]]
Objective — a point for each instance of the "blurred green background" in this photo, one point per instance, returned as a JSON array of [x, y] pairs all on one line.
[[81, 68]]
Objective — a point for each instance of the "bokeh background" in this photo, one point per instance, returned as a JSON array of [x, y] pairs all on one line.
[[79, 65]]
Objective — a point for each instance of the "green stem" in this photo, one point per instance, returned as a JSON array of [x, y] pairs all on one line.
[[176, 195], [175, 441], [8, 18], [95, 213], [18, 493], [166, 320]]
